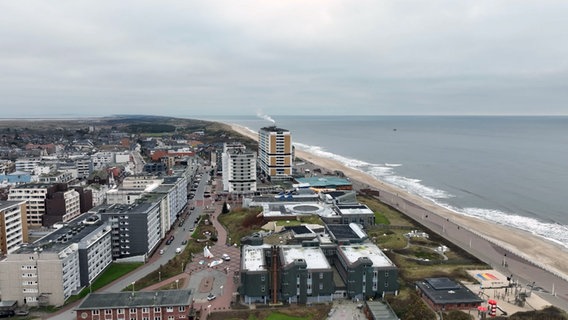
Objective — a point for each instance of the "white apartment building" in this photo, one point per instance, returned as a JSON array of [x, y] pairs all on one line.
[[72, 202], [57, 266], [275, 152], [34, 195], [99, 193], [123, 196], [56, 177], [27, 164], [239, 169], [141, 182], [13, 228], [122, 157], [101, 160]]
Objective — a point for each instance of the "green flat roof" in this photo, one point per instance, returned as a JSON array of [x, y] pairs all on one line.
[[325, 181]]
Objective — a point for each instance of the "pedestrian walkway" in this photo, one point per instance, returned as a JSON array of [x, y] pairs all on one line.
[[224, 275]]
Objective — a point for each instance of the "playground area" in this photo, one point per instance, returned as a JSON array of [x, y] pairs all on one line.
[[504, 293]]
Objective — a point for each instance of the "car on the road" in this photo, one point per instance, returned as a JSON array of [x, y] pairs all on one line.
[[184, 242], [211, 297], [161, 251]]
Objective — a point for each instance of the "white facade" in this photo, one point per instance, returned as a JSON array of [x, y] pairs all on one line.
[[99, 193], [141, 182], [239, 170], [27, 165], [27, 277], [12, 228], [57, 266], [56, 177], [122, 157], [96, 250], [123, 196], [101, 160], [34, 195], [72, 205]]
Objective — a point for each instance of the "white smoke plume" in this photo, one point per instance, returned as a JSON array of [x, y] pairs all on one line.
[[264, 116]]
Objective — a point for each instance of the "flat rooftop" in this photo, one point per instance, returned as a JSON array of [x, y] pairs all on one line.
[[72, 232], [138, 299], [347, 209], [314, 257], [324, 182], [253, 258], [353, 252], [7, 204], [446, 291]]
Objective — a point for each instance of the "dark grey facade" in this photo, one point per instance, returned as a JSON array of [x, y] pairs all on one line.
[[364, 278], [135, 228]]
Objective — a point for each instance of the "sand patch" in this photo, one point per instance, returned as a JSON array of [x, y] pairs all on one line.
[[206, 284]]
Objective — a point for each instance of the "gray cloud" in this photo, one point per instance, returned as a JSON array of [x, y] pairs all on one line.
[[285, 57]]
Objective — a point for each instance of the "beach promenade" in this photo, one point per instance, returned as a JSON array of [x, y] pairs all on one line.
[[528, 258]]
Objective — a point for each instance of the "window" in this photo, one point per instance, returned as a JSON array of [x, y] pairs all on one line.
[[145, 310], [95, 312], [170, 309], [321, 286], [321, 275], [157, 309], [120, 311], [181, 308], [108, 311], [132, 310]]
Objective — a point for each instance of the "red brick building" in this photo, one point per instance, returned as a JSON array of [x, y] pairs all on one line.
[[164, 305]]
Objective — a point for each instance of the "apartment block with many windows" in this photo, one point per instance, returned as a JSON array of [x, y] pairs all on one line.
[[239, 169], [275, 153], [59, 265], [13, 227]]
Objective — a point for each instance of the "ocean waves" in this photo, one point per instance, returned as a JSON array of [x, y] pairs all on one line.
[[552, 231], [387, 173]]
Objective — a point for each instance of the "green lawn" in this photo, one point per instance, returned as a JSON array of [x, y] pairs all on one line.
[[115, 271], [280, 316]]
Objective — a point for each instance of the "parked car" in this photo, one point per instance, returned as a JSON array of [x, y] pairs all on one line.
[[161, 251], [211, 297], [184, 242], [226, 257], [178, 250]]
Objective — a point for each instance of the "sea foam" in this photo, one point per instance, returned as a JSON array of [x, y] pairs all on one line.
[[385, 172]]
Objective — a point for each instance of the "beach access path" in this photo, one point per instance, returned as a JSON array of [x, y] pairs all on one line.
[[528, 258]]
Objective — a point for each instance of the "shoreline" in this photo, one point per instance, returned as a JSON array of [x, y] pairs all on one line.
[[511, 246]]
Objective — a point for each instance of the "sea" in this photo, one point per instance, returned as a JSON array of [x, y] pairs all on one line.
[[510, 170]]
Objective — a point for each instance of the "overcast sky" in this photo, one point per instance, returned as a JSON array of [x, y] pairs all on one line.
[[283, 57]]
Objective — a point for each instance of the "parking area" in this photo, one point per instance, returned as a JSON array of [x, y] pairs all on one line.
[[346, 309]]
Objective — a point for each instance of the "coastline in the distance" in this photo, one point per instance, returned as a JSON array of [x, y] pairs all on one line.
[[538, 252]]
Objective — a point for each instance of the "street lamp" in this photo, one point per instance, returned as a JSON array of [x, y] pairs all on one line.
[[177, 283], [159, 276], [221, 287], [133, 282]]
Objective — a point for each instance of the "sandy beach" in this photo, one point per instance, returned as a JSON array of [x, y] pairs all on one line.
[[525, 256]]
